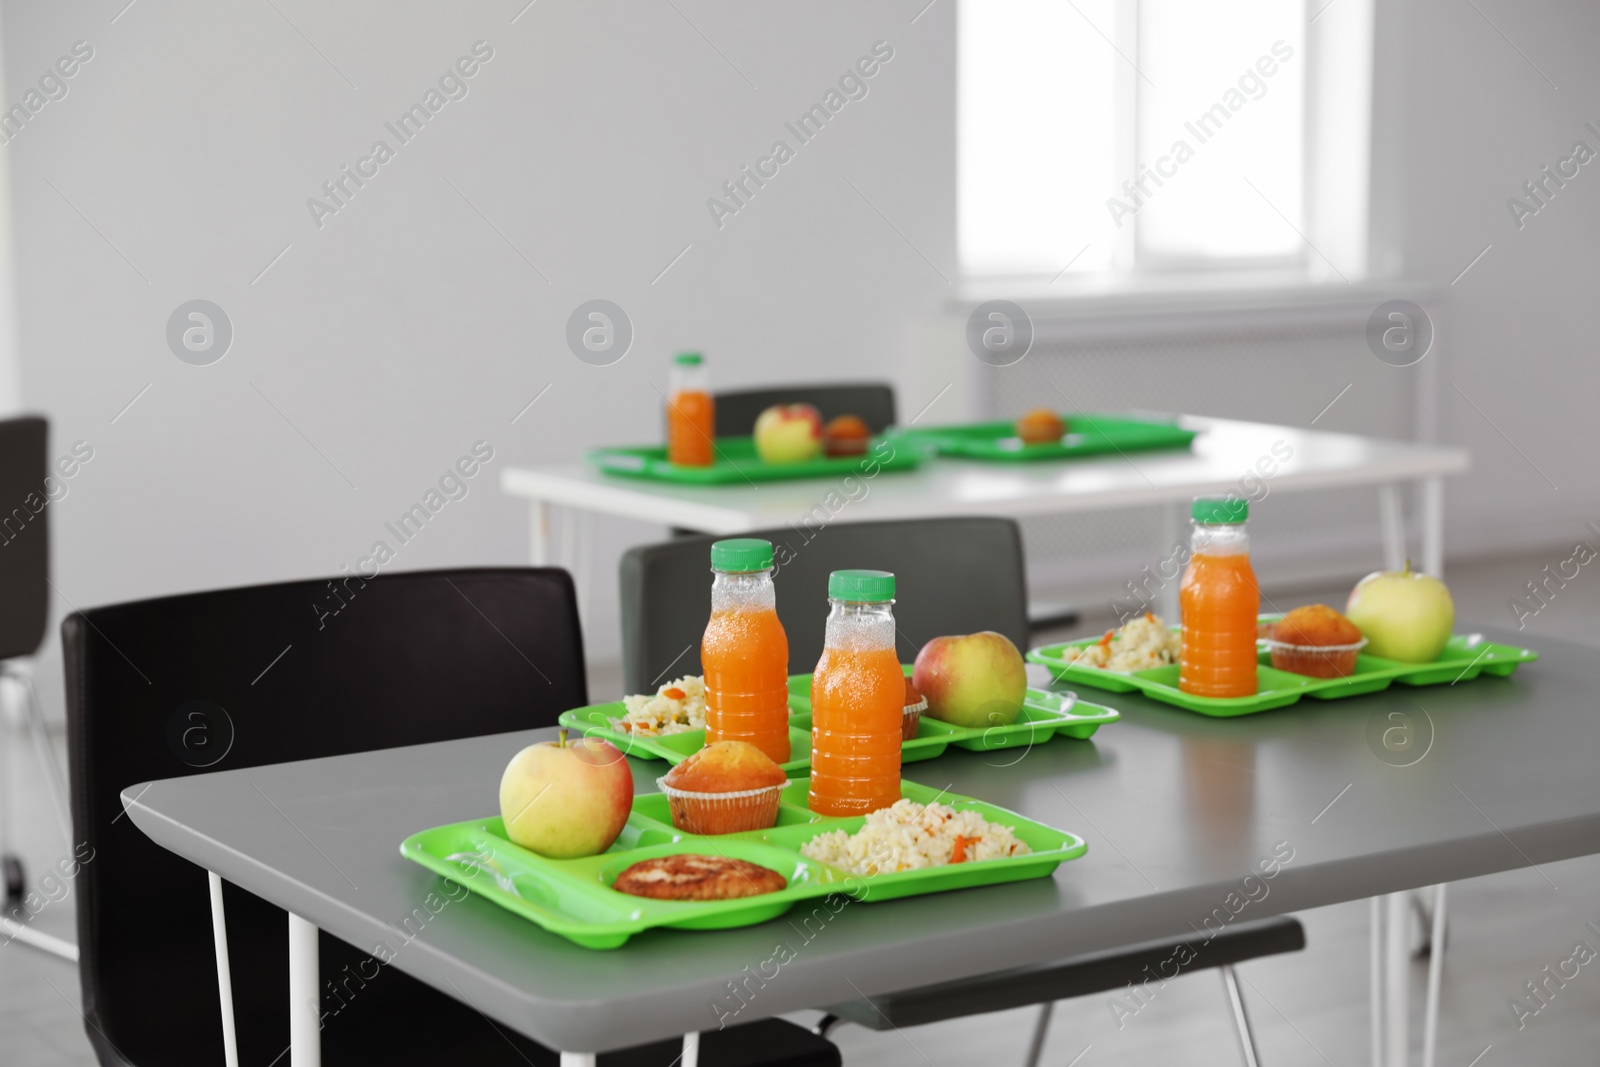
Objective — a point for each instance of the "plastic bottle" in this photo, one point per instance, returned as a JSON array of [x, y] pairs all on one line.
[[691, 413], [745, 653], [857, 699], [1220, 601]]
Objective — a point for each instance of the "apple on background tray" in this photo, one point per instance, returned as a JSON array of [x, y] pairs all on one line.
[[1404, 615], [974, 680], [566, 799], [788, 433]]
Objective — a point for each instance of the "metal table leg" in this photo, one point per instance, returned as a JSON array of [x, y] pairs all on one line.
[[305, 1020], [1430, 1019], [1375, 979], [1392, 523], [1396, 987], [538, 533], [1432, 492], [577, 1059], [1172, 533], [219, 936]]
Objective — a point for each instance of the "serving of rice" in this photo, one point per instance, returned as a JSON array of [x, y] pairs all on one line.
[[1143, 643], [906, 836], [676, 707]]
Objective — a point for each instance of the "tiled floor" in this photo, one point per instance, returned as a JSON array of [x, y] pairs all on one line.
[[1309, 1008]]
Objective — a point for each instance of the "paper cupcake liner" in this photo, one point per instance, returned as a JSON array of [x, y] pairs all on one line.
[[910, 718], [723, 813], [1315, 661]]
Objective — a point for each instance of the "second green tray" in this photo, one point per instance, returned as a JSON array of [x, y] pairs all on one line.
[[1044, 715], [1465, 657], [736, 463], [574, 898], [1087, 435]]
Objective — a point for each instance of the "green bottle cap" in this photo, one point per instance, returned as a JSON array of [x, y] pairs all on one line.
[[868, 586], [1220, 510], [688, 359], [738, 554]]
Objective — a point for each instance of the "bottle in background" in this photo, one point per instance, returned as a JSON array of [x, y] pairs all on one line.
[[1220, 601], [857, 699], [745, 653], [691, 413]]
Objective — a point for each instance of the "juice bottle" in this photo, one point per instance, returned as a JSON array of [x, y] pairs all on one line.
[[745, 653], [691, 413], [1220, 600], [857, 699]]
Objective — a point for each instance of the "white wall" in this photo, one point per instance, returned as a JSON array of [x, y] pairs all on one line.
[[406, 328]]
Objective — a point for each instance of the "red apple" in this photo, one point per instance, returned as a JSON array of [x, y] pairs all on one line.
[[788, 433], [977, 680], [566, 799]]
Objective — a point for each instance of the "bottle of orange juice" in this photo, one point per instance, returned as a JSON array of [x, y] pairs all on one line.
[[1219, 600], [857, 699], [691, 413], [745, 653]]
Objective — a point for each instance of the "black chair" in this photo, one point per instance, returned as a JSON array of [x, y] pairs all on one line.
[[27, 486], [872, 401], [952, 576], [245, 677], [1078, 976]]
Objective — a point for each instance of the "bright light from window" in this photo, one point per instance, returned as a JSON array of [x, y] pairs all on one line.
[[1035, 116], [1206, 85]]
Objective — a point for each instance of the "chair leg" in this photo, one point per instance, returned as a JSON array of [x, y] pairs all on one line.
[[1041, 1030], [47, 756], [1241, 1018]]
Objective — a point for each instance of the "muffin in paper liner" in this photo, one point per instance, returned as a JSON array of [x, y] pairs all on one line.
[[910, 717], [723, 813], [1315, 661]]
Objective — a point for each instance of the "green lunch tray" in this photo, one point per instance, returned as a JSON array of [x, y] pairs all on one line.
[[1087, 435], [1465, 657], [736, 463], [574, 898], [1044, 715]]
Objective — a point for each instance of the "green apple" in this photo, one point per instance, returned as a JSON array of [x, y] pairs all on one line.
[[788, 433], [1404, 615], [566, 800], [976, 680]]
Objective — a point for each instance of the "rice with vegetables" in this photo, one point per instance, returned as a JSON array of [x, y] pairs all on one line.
[[675, 708], [1143, 643], [906, 836]]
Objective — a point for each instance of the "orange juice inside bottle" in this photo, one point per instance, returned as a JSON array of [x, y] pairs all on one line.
[[857, 699], [1220, 601], [745, 653], [691, 413]]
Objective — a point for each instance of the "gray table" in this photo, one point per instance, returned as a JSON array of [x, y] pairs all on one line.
[[1177, 810]]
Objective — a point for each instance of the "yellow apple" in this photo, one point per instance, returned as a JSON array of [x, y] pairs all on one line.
[[566, 800], [1404, 615], [977, 680]]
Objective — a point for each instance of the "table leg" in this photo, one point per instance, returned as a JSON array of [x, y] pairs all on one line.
[[583, 560], [538, 533], [1392, 522], [691, 1050], [1375, 979], [577, 1059], [305, 995], [569, 538], [1433, 526], [1396, 988], [1430, 1020], [219, 937]]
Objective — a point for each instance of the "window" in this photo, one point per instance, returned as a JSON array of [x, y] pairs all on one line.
[[1141, 136]]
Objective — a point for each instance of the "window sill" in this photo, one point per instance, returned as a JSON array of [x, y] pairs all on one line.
[[1116, 296]]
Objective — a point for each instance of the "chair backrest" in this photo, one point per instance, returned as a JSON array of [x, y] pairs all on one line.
[[244, 677], [27, 486], [952, 576], [872, 401]]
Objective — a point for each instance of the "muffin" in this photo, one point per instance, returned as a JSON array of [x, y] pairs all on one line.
[[846, 435], [1040, 427], [916, 704], [724, 788], [1315, 641]]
